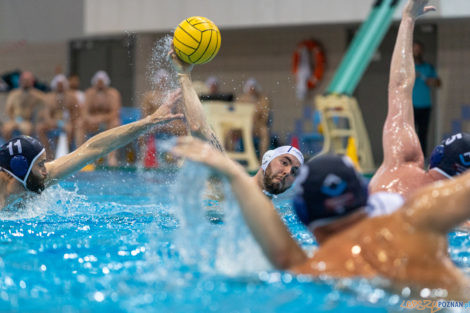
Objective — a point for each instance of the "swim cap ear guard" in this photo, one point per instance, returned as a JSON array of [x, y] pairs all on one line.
[[452, 156], [436, 156], [328, 188], [19, 165], [18, 155]]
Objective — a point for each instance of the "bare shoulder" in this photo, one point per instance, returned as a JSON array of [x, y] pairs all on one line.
[[114, 92], [14, 94], [399, 177]]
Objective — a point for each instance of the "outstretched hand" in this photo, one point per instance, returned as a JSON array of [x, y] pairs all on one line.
[[179, 65], [416, 8], [202, 152], [165, 112]]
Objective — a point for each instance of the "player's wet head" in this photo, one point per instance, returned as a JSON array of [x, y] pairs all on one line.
[[328, 188], [280, 167], [452, 156], [17, 158]]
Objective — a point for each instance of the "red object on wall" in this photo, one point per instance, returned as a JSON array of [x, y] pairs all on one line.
[[150, 160]]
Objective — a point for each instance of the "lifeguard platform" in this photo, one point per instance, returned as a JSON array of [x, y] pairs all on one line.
[[226, 117], [342, 120]]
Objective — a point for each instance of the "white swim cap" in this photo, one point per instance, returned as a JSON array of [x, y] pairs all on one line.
[[272, 154], [212, 80], [251, 83], [60, 78], [101, 75]]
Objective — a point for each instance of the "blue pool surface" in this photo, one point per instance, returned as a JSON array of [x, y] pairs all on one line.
[[142, 242]]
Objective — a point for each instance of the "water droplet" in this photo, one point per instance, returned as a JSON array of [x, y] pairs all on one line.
[[99, 296], [406, 292], [356, 250], [9, 281], [425, 292]]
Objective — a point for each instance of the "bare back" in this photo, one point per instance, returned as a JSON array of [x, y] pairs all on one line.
[[392, 248]]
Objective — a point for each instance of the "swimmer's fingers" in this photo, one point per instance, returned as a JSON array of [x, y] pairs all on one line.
[[429, 8], [416, 8], [173, 99], [170, 117]]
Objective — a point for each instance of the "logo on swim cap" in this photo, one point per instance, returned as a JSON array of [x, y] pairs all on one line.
[[452, 156], [18, 155], [333, 185]]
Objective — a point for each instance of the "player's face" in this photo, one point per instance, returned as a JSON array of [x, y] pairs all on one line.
[[281, 173], [37, 177]]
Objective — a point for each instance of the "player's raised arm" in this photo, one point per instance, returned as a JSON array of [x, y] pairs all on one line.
[[110, 140], [193, 111], [400, 142]]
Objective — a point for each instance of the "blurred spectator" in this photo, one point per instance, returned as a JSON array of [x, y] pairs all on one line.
[[23, 107], [252, 93], [151, 101], [74, 86], [3, 85], [214, 94], [100, 111], [60, 112], [213, 85], [426, 78]]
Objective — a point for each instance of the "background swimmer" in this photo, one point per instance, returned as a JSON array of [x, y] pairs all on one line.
[[23, 165], [402, 170]]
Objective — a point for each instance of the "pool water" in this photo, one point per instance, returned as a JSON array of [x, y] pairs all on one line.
[[142, 242]]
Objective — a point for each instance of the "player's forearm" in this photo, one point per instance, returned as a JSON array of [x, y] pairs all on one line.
[[402, 70], [194, 113], [265, 223], [175, 128], [193, 110], [114, 138]]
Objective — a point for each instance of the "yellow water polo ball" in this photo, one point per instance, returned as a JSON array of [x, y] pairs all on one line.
[[196, 40]]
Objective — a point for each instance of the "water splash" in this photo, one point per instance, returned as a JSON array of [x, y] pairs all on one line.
[[159, 60]]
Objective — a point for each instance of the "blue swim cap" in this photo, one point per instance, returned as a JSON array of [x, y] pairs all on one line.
[[452, 156], [328, 188], [18, 155]]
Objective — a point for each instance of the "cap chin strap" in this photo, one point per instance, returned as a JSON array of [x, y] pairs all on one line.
[[23, 182], [437, 169]]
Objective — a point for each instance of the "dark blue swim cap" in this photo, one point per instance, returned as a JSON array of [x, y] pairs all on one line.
[[329, 187], [18, 155], [452, 156]]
